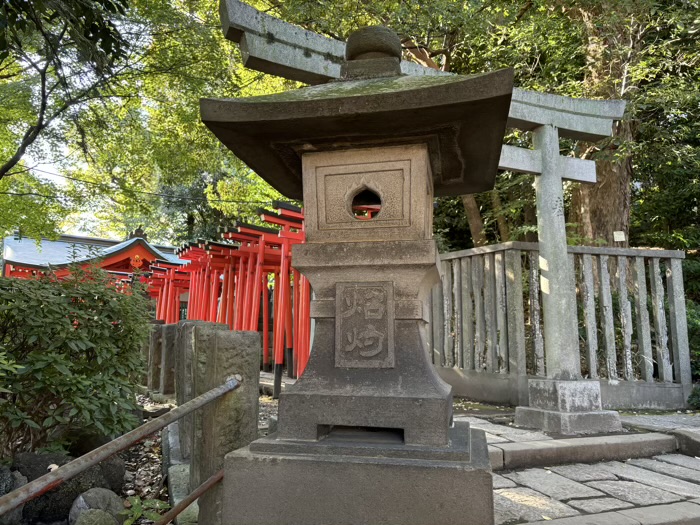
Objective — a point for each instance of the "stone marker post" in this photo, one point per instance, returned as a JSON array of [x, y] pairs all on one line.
[[184, 378], [155, 351], [167, 359], [231, 422], [365, 436]]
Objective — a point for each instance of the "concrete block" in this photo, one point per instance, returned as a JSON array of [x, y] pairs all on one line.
[[683, 513], [584, 450]]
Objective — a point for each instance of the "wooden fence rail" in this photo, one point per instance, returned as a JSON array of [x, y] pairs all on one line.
[[487, 321]]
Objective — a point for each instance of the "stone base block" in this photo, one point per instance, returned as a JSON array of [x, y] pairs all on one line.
[[566, 407], [569, 423], [565, 396], [329, 489]]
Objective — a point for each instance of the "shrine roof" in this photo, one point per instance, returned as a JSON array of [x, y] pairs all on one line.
[[69, 249]]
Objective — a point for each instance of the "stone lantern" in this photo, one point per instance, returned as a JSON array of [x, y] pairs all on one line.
[[366, 436]]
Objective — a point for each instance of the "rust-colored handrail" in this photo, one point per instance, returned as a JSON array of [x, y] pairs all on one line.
[[187, 501], [55, 478]]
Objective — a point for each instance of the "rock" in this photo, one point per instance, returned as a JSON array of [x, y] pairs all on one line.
[[56, 504], [98, 498], [114, 471], [95, 517], [113, 468], [151, 412], [10, 481]]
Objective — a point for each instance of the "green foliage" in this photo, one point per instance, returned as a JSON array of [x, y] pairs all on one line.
[[694, 398], [69, 358], [693, 316], [88, 24], [146, 508]]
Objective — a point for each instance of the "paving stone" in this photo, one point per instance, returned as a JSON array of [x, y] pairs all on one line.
[[552, 484], [505, 431], [653, 479], [606, 518], [581, 472], [677, 514], [663, 422], [681, 460], [635, 492], [522, 504], [662, 467], [596, 505], [493, 438], [499, 482], [584, 450]]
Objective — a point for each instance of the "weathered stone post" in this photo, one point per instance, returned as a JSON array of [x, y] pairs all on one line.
[[365, 435], [231, 422], [167, 359], [563, 402], [155, 350], [184, 378]]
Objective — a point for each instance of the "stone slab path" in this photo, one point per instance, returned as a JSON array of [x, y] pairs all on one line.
[[659, 490]]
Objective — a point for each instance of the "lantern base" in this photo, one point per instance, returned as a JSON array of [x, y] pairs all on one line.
[[355, 479]]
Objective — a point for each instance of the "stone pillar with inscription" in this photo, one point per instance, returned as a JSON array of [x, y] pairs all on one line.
[[366, 436]]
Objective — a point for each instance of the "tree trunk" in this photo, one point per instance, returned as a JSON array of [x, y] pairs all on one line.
[[503, 230], [604, 207], [476, 224]]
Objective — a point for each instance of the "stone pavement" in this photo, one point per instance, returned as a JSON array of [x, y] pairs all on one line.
[[662, 489]]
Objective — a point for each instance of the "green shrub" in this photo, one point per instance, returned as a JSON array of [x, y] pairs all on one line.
[[69, 358], [693, 316]]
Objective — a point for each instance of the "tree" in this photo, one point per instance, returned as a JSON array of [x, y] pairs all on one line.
[[581, 48], [55, 56]]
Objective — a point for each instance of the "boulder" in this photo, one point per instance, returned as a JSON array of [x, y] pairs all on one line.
[[10, 481], [100, 499], [96, 517], [55, 504]]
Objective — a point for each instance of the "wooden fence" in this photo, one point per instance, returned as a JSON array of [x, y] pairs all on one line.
[[486, 324]]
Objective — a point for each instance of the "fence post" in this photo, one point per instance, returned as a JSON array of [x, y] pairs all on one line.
[[679, 325], [517, 364], [232, 421]]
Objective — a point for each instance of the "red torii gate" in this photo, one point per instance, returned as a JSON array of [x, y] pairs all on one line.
[[229, 281]]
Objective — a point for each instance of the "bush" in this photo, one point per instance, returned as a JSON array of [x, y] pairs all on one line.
[[693, 316], [69, 358]]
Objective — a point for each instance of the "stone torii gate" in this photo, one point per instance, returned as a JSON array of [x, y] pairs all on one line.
[[562, 402]]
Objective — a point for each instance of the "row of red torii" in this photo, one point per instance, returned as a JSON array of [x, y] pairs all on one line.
[[229, 282]]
